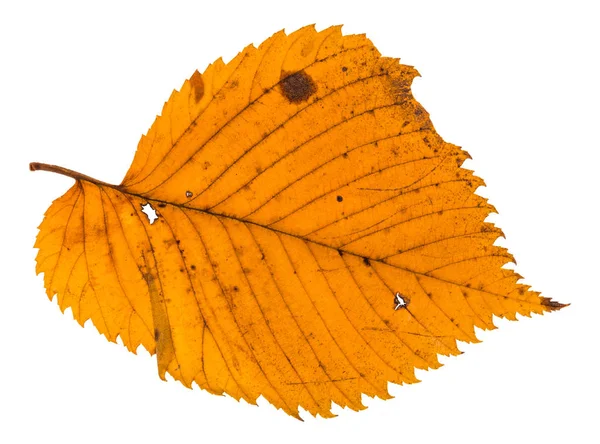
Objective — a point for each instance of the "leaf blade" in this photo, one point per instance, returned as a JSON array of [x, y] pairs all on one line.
[[300, 191]]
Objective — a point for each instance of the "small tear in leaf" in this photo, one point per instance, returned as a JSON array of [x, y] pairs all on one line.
[[149, 211], [399, 301]]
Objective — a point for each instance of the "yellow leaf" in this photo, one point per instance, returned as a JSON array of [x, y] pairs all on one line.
[[315, 237]]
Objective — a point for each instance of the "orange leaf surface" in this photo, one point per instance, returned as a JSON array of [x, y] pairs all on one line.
[[315, 240]]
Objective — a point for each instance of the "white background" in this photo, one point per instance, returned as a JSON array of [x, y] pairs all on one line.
[[514, 83]]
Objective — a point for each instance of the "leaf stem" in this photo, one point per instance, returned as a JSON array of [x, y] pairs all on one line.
[[36, 166]]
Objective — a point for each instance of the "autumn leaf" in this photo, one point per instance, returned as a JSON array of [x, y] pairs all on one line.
[[315, 237]]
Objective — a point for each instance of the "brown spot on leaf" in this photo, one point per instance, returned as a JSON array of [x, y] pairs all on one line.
[[366, 261], [297, 87], [197, 85]]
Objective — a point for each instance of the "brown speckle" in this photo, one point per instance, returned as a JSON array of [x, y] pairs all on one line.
[[162, 205], [236, 288], [197, 85], [156, 334], [344, 69], [193, 267], [297, 87], [400, 89], [339, 198], [366, 261]]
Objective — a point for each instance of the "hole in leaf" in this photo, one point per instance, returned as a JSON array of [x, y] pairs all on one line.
[[188, 194], [399, 301], [149, 211]]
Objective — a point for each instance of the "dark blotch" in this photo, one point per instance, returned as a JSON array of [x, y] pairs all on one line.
[[156, 334], [339, 198], [236, 288], [344, 69], [366, 261], [162, 205], [340, 252], [297, 87], [193, 267], [197, 85]]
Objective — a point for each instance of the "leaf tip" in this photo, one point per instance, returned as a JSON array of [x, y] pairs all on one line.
[[551, 305]]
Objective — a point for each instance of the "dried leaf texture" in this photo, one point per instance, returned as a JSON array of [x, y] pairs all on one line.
[[316, 238]]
